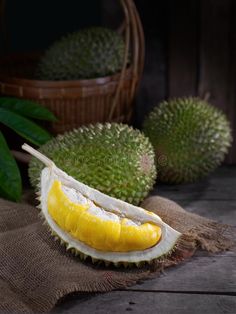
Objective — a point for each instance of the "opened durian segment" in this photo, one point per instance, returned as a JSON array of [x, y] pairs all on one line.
[[137, 215], [95, 226]]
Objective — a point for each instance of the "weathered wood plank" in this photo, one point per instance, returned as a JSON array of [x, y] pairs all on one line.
[[141, 302], [182, 48], [153, 86], [214, 75], [200, 274], [232, 83], [222, 211], [214, 51], [199, 192], [220, 185]]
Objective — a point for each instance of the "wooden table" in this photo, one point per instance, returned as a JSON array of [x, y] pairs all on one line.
[[204, 285]]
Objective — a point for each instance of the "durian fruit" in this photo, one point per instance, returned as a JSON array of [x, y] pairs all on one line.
[[88, 53], [93, 224], [113, 158], [190, 138]]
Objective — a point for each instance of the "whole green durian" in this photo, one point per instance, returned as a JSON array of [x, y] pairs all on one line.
[[190, 138], [88, 53], [113, 158]]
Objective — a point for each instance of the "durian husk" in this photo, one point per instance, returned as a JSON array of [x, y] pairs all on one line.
[[190, 138], [164, 247], [112, 158], [88, 53]]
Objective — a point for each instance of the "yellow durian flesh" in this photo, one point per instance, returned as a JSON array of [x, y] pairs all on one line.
[[63, 222], [97, 232]]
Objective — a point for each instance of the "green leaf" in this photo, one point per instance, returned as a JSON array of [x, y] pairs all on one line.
[[27, 108], [24, 127], [10, 179]]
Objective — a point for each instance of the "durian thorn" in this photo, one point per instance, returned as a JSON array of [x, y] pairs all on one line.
[[48, 162], [94, 260]]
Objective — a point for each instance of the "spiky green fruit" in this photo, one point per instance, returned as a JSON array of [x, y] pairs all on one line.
[[190, 138], [113, 158], [88, 53]]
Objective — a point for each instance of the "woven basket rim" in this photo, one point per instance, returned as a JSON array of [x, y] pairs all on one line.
[[31, 82], [63, 84]]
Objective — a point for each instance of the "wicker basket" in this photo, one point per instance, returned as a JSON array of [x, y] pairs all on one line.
[[81, 102]]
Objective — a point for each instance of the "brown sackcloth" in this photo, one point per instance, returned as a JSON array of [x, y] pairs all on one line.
[[36, 271]]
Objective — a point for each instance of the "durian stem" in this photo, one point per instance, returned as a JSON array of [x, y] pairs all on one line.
[[48, 162]]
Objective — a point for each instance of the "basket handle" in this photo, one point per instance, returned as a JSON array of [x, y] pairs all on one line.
[[134, 39], [127, 45]]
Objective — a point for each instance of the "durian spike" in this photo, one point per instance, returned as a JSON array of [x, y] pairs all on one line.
[[48, 162]]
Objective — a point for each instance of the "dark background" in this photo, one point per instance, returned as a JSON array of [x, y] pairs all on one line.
[[190, 44]]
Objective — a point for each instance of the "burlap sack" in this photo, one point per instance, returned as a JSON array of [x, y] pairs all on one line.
[[36, 271]]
